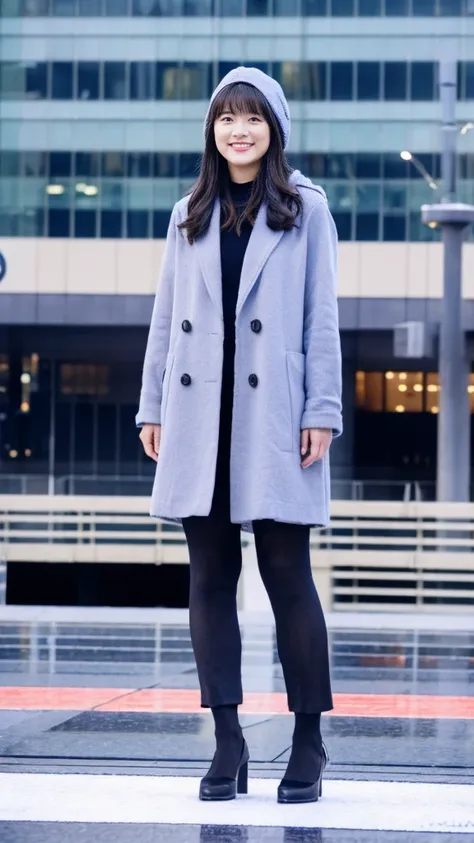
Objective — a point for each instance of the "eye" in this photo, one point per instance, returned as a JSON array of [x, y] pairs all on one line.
[[257, 118]]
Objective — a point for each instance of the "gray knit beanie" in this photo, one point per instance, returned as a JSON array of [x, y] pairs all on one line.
[[269, 87]]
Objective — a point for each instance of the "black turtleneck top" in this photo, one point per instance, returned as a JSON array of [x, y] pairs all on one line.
[[232, 257]]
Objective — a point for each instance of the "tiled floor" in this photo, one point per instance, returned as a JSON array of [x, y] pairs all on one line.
[[101, 726]]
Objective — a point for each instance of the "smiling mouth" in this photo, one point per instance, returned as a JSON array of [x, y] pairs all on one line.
[[241, 146]]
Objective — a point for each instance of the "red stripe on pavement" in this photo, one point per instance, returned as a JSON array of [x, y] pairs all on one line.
[[163, 700]]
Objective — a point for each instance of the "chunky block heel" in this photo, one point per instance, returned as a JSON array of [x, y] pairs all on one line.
[[243, 778], [309, 793], [221, 790]]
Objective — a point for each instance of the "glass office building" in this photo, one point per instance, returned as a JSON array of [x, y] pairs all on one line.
[[101, 111]]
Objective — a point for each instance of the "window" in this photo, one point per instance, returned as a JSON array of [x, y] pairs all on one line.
[[189, 163], [315, 7], [142, 80], [367, 165], [87, 163], [167, 81], [469, 68], [139, 164], [58, 222], [60, 164], [88, 80], [370, 8], [257, 8], [164, 164], [369, 391], [10, 163], [85, 223], [89, 8], [285, 8], [161, 220], [194, 81], [232, 8], [450, 7], [302, 80], [34, 163], [62, 80], [396, 8], [342, 8], [395, 80], [404, 392], [113, 164], [116, 8], [368, 80], [394, 228], [424, 8], [432, 392], [111, 223], [64, 8], [115, 86], [342, 75], [137, 224], [422, 80], [35, 8]]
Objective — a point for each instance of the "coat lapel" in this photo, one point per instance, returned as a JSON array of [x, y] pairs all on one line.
[[208, 250], [260, 246]]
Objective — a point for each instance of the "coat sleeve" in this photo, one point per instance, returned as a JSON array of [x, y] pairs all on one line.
[[157, 347], [322, 344]]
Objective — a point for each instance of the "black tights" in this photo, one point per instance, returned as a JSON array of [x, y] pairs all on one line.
[[284, 564]]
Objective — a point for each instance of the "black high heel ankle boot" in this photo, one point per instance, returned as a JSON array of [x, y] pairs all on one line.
[[303, 781], [228, 774]]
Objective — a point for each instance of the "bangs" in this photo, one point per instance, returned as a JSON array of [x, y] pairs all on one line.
[[239, 98]]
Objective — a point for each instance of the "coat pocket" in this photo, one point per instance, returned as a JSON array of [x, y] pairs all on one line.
[[295, 373], [166, 386]]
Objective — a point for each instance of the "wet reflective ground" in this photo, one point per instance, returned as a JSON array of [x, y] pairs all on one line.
[[118, 699]]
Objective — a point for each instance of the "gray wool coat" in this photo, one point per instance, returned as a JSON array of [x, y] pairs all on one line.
[[288, 283]]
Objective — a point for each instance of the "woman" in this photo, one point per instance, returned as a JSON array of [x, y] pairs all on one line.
[[240, 399]]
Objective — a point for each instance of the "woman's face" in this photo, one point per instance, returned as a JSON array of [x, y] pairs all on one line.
[[242, 139]]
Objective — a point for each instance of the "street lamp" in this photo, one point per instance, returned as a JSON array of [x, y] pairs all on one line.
[[453, 458]]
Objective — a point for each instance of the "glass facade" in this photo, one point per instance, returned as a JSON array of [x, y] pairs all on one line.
[[112, 194], [237, 8], [164, 80]]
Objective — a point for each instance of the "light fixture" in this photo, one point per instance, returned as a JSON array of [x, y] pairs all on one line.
[[402, 387], [389, 375], [25, 377], [402, 376], [13, 454], [55, 189], [435, 410], [432, 387], [27, 452], [418, 387], [91, 190], [466, 128], [400, 408], [470, 389], [25, 407], [406, 155]]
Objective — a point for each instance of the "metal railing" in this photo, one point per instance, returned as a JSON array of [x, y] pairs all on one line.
[[374, 554], [123, 484]]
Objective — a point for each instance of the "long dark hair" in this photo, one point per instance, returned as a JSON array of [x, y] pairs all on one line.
[[283, 202]]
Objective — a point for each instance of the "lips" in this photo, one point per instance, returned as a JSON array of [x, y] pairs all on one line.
[[241, 147]]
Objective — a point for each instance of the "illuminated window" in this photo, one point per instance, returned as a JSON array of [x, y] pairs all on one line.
[[404, 392], [4, 372], [369, 391], [84, 379], [432, 392]]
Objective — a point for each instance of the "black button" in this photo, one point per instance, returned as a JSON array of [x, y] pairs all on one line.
[[256, 325], [253, 380], [186, 326], [185, 379]]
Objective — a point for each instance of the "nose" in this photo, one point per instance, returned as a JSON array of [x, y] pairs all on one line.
[[239, 130]]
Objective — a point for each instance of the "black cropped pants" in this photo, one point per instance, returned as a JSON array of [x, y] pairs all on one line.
[[284, 563]]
